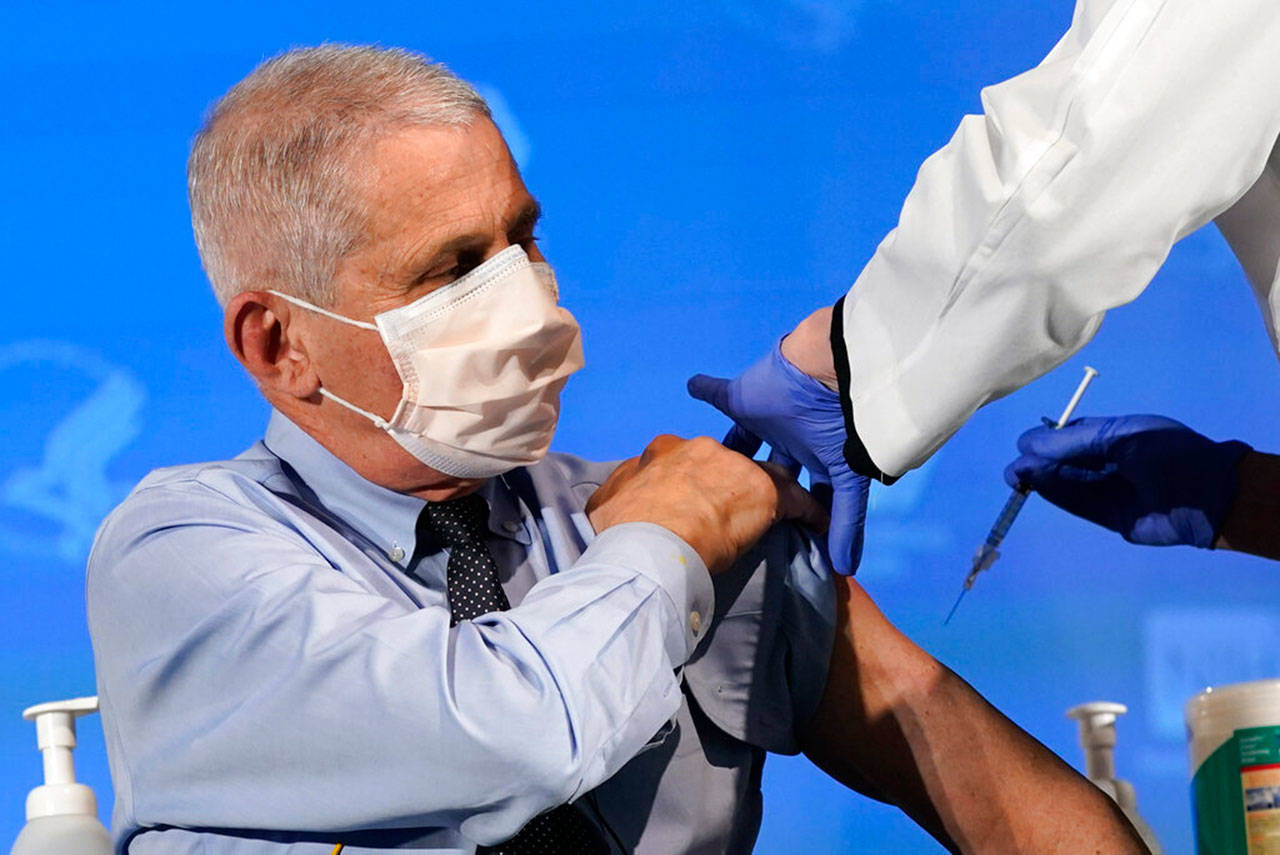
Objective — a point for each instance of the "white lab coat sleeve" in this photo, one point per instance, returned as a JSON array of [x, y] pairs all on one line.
[[1252, 229], [1060, 201]]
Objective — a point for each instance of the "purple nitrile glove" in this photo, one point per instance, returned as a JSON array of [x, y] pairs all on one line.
[[1151, 479], [801, 420]]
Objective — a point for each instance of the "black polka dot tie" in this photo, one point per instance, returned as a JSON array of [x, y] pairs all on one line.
[[474, 589], [472, 574]]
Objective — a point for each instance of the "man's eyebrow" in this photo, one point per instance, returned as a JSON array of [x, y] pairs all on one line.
[[418, 270], [528, 217]]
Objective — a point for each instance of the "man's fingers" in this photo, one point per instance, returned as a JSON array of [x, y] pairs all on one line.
[[794, 501], [741, 440], [659, 446]]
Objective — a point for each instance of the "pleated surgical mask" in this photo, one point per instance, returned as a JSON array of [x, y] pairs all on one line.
[[482, 360]]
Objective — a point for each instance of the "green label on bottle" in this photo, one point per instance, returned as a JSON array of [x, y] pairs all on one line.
[[1235, 795], [1259, 746]]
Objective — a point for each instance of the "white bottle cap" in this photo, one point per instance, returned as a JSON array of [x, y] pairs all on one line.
[[1097, 722], [56, 737]]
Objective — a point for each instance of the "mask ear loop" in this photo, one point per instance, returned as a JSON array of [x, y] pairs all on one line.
[[373, 417], [364, 325], [378, 420]]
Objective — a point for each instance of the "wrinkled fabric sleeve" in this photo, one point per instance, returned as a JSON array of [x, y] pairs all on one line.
[[760, 672], [1060, 201], [246, 683], [1252, 229]]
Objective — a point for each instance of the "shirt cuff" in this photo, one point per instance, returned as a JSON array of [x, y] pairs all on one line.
[[664, 558]]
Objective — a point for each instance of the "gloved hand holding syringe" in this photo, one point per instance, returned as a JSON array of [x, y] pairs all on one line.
[[988, 552]]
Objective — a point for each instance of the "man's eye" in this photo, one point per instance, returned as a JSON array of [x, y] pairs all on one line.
[[466, 263]]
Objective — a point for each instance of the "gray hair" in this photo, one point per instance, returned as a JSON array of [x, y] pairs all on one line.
[[271, 177]]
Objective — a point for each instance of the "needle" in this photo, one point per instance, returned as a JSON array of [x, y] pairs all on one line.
[[989, 551]]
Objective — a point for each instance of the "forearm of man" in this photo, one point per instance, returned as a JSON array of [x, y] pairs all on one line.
[[897, 724], [1253, 521], [391, 717]]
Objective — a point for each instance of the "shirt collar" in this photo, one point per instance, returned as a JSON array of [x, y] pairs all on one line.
[[385, 517]]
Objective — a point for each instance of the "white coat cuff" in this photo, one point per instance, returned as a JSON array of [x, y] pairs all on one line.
[[894, 440]]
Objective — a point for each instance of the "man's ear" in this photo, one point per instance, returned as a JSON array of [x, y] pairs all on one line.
[[257, 328]]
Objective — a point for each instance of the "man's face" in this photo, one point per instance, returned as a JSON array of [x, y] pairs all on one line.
[[441, 202]]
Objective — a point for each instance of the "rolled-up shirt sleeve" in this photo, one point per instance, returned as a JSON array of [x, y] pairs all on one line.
[[248, 683], [1059, 202], [760, 673]]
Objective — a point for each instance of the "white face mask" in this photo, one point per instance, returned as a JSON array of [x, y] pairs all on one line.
[[482, 360]]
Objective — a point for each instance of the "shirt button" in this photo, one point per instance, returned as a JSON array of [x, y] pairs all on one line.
[[395, 553], [695, 621], [511, 526]]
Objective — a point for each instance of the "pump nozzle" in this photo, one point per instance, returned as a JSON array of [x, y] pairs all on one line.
[[56, 737], [1097, 721], [1098, 737], [62, 815]]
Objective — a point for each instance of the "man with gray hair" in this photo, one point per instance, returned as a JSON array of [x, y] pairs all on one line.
[[398, 622]]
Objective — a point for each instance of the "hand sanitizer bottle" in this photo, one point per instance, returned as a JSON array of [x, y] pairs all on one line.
[[1098, 736], [62, 815]]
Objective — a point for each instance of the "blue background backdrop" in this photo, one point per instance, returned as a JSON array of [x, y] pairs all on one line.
[[711, 172]]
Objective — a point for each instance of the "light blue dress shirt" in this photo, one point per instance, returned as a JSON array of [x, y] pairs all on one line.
[[275, 678]]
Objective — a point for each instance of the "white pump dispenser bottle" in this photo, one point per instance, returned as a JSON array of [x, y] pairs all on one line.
[[1098, 737], [62, 815]]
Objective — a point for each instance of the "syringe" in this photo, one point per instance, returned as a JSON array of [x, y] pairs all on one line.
[[989, 551]]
